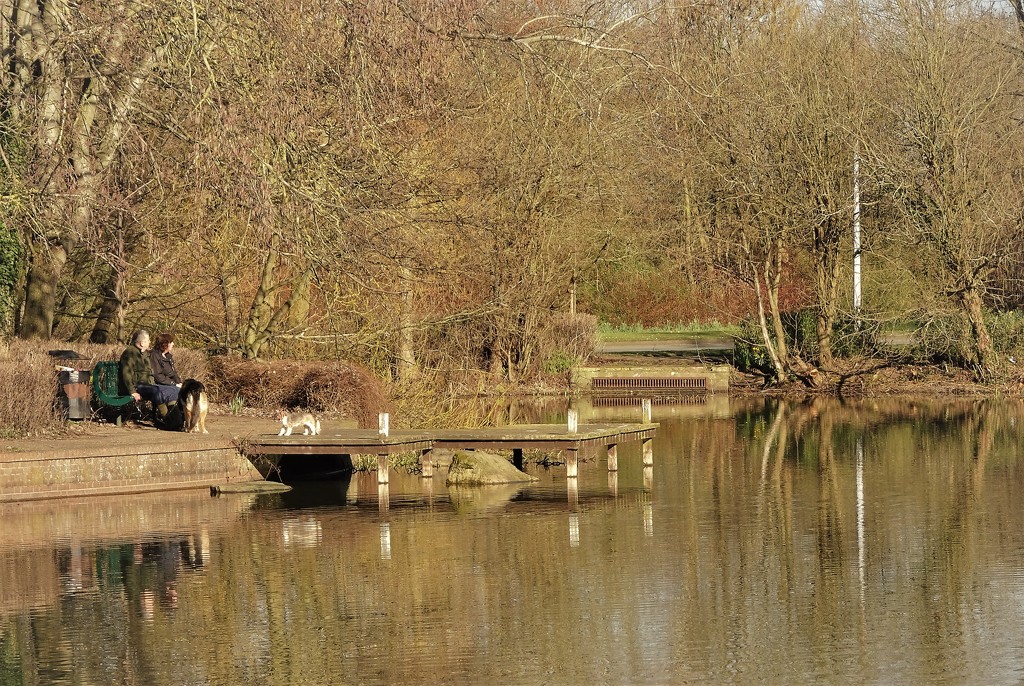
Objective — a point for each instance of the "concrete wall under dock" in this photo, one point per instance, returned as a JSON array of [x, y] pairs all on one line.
[[640, 378], [74, 467]]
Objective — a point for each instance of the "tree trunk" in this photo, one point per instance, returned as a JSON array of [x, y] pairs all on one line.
[[773, 355], [983, 353], [262, 306], [109, 312], [773, 281], [232, 308], [44, 272], [406, 362], [827, 282]]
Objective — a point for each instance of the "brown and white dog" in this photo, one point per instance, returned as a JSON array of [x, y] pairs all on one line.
[[193, 403]]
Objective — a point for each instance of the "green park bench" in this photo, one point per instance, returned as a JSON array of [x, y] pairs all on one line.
[[106, 378]]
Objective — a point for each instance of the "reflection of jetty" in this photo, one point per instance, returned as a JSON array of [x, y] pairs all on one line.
[[588, 438]]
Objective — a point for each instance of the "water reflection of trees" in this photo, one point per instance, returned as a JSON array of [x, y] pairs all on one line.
[[752, 552], [771, 499]]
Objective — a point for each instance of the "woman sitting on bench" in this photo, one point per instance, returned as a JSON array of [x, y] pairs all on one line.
[[137, 376]]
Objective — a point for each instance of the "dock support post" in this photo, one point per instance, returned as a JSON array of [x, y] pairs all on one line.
[[382, 425], [613, 458], [382, 468], [648, 453], [572, 462], [613, 483], [645, 410], [573, 421], [517, 458], [426, 464]]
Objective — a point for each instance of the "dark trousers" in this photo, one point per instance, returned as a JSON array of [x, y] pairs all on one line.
[[158, 394]]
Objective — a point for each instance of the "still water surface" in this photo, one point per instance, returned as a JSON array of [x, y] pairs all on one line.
[[874, 542]]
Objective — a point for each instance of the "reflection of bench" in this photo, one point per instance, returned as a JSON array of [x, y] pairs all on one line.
[[105, 390]]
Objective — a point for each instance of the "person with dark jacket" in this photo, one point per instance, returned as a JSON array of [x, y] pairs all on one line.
[[137, 376], [162, 360]]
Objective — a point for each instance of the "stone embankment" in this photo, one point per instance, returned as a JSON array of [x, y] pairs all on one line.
[[106, 460]]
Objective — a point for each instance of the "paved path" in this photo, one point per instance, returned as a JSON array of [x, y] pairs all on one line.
[[692, 345], [93, 437]]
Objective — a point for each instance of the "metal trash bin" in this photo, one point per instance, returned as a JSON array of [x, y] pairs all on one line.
[[72, 384], [73, 393]]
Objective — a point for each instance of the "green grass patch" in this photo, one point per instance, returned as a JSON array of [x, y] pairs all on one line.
[[672, 332]]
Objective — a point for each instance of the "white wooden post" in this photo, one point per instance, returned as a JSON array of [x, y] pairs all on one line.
[[426, 464], [648, 453], [571, 462], [613, 458], [573, 421], [645, 410], [382, 424], [382, 468]]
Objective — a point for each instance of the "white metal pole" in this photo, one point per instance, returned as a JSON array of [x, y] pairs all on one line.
[[856, 234]]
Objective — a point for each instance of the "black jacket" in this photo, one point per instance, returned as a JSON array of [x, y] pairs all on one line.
[[163, 368]]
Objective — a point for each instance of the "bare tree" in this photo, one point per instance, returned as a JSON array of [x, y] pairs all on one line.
[[73, 77], [952, 161]]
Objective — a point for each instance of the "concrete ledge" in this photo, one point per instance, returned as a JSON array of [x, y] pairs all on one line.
[[111, 469]]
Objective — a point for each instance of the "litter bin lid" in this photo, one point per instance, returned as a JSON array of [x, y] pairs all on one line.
[[67, 355]]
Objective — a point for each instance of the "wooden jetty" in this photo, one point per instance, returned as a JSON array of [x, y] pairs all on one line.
[[570, 439]]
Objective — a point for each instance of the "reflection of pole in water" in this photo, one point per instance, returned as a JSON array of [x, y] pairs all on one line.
[[572, 489], [204, 545], [648, 519], [383, 497], [574, 530], [860, 513], [385, 540], [428, 492]]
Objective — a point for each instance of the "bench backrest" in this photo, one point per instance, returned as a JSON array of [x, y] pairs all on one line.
[[106, 377]]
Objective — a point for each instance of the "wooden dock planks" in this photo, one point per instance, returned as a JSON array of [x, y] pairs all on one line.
[[515, 438]]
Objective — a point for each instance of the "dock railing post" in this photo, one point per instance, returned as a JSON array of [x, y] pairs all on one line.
[[426, 464], [573, 421], [572, 462], [645, 410], [382, 424]]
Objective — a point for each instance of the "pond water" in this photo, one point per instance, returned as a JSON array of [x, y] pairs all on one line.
[[861, 542]]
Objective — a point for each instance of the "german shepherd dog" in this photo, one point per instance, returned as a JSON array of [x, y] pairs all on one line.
[[193, 403]]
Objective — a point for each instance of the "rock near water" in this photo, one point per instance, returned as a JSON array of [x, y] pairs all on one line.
[[475, 467]]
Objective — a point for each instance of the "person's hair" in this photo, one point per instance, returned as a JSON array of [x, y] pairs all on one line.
[[138, 336], [163, 340]]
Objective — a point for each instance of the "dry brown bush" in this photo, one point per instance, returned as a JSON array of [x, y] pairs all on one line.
[[325, 387], [574, 335]]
